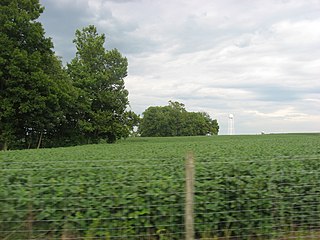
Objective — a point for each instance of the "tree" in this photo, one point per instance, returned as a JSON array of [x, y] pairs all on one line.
[[100, 75], [29, 104], [132, 121], [156, 122], [174, 120], [67, 131]]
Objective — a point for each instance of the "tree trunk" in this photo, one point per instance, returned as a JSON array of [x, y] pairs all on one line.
[[5, 146], [40, 140]]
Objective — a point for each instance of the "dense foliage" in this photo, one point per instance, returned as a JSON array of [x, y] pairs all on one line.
[[43, 104], [175, 120], [28, 93], [100, 73], [252, 187]]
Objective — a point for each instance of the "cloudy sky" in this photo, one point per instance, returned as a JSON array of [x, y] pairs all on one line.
[[256, 59]]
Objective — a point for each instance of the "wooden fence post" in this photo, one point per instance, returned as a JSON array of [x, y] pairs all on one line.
[[189, 218]]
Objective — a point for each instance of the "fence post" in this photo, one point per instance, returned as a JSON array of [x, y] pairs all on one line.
[[189, 219]]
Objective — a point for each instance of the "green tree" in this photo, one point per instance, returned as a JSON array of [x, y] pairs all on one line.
[[132, 122], [159, 122], [29, 106], [174, 120], [100, 75], [72, 107]]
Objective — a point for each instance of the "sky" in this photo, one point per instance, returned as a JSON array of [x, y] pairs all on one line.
[[256, 59]]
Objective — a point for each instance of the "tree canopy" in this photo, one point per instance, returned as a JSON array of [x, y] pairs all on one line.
[[100, 75], [29, 94], [175, 120], [45, 104]]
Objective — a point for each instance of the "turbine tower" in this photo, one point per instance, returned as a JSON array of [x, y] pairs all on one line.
[[231, 124]]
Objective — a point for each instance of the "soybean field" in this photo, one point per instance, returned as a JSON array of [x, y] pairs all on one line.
[[246, 187]]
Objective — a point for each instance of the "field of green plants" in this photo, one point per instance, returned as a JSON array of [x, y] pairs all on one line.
[[246, 187]]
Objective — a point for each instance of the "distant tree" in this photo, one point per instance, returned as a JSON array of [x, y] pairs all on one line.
[[132, 121], [174, 120], [214, 126], [29, 104], [152, 123], [100, 76], [180, 107]]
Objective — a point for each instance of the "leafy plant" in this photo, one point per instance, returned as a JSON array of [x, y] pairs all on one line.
[[245, 187]]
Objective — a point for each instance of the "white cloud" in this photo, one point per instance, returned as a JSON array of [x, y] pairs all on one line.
[[288, 113], [256, 59]]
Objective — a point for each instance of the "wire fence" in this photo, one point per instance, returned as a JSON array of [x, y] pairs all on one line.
[[232, 198]]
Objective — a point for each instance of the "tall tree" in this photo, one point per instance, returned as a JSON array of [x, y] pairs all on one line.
[[29, 106], [100, 74]]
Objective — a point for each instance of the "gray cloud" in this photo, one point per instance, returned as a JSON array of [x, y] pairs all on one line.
[[61, 22], [256, 59]]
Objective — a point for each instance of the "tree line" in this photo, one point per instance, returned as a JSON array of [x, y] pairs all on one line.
[[175, 120], [46, 104]]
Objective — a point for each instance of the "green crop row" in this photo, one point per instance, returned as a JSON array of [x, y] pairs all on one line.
[[249, 187]]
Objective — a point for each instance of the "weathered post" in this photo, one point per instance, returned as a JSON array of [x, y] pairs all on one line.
[[30, 218], [189, 219]]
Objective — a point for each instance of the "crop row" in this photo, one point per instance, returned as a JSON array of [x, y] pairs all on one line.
[[51, 196]]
